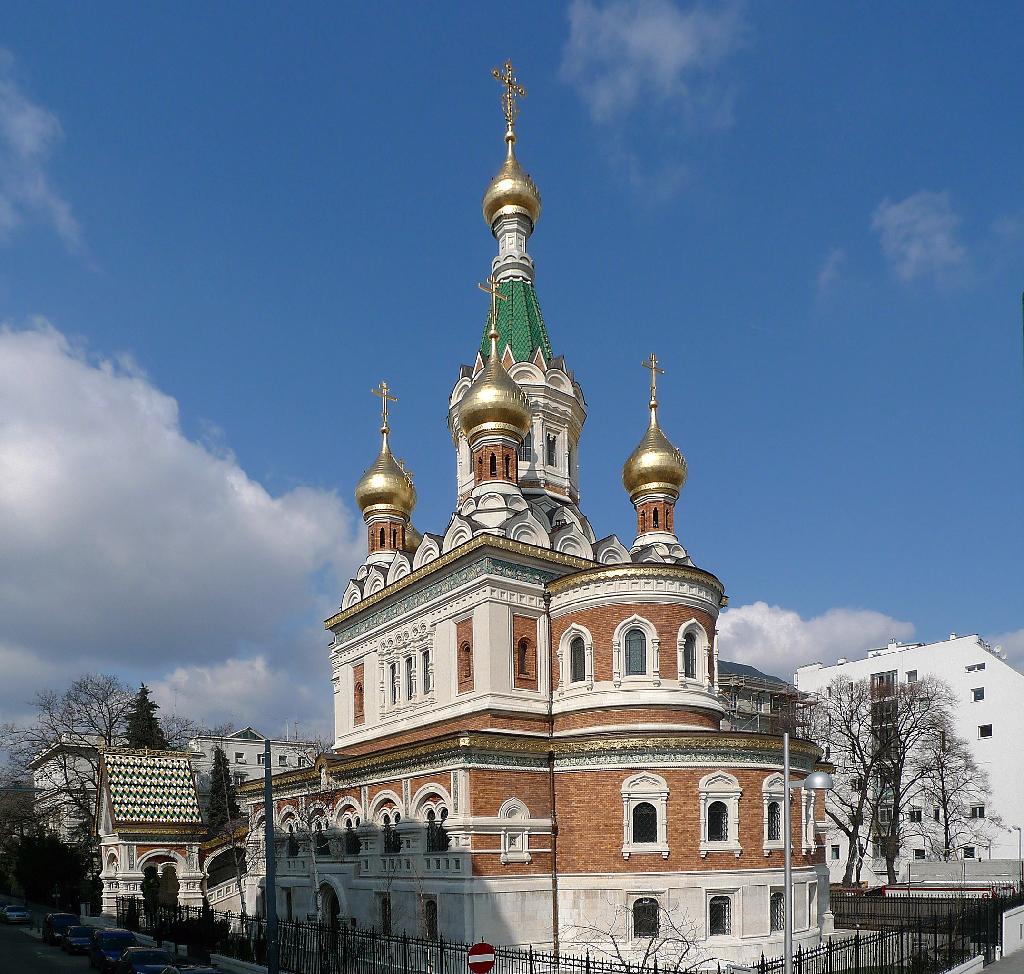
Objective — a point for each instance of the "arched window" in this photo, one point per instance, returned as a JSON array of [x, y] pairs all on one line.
[[720, 916], [577, 660], [382, 537], [410, 678], [645, 917], [636, 653], [394, 537], [508, 468], [292, 843], [494, 465], [690, 656], [645, 823], [480, 468], [322, 844], [718, 822], [774, 822], [465, 662], [523, 657], [643, 522], [352, 842], [430, 918], [654, 519], [395, 684], [437, 837], [426, 677], [526, 448], [777, 910]]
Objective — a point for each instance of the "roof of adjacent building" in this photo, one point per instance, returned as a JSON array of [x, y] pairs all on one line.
[[151, 787], [520, 324]]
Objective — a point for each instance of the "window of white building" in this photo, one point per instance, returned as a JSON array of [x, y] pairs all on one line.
[[968, 852], [915, 814], [919, 853], [427, 677], [835, 851], [644, 815], [978, 693], [720, 916], [777, 910], [646, 917], [410, 678], [977, 811], [984, 730], [396, 688]]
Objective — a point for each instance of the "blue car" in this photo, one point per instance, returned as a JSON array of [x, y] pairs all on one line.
[[107, 947], [144, 960], [54, 925], [15, 914], [76, 939]]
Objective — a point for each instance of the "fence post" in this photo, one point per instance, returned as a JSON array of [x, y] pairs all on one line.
[[856, 952], [440, 941], [531, 958], [586, 963]]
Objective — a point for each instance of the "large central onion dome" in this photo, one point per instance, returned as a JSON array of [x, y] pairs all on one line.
[[512, 190], [494, 403], [385, 487], [655, 466]]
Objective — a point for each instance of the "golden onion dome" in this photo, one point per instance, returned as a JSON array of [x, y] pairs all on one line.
[[494, 403], [655, 466], [385, 488], [512, 190], [413, 538]]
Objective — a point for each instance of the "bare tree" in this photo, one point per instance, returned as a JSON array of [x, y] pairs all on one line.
[[841, 721], [955, 793], [641, 936], [907, 720]]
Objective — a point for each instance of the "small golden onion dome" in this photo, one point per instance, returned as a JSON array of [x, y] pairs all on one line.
[[494, 403], [385, 488], [512, 190], [413, 538], [655, 466]]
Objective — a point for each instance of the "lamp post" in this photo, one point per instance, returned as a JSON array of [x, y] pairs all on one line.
[[1020, 857], [815, 781]]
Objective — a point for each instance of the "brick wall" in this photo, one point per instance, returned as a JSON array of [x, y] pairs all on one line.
[[649, 512], [506, 458], [487, 720], [524, 653], [629, 716], [358, 695], [464, 654]]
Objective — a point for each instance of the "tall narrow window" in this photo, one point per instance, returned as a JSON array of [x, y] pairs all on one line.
[[508, 468], [718, 822], [526, 448], [426, 676], [577, 660], [636, 653], [394, 537], [645, 822], [777, 910], [774, 822], [395, 685], [568, 461], [654, 519], [523, 657], [410, 679], [643, 522], [552, 455], [385, 913], [382, 542], [720, 916], [690, 656], [430, 918], [645, 917], [494, 465]]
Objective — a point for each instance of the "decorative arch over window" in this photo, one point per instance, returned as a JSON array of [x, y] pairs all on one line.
[[720, 813], [515, 832], [576, 658], [773, 794], [646, 917], [645, 815], [692, 650], [636, 651]]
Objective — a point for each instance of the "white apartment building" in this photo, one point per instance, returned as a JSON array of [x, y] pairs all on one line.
[[990, 716]]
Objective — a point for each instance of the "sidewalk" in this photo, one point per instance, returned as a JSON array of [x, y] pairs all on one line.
[[1014, 964]]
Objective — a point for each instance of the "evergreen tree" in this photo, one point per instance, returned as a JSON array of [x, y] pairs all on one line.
[[143, 725], [223, 807]]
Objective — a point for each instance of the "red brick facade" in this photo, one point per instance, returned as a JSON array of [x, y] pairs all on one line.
[[496, 463], [464, 651], [655, 516], [358, 695], [524, 653], [385, 537]]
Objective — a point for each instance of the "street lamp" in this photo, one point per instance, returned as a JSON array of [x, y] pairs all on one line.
[[815, 781]]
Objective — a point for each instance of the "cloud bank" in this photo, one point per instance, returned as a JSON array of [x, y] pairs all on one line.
[[918, 235], [130, 547]]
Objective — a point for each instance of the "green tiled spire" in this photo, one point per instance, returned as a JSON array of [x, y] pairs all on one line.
[[520, 323]]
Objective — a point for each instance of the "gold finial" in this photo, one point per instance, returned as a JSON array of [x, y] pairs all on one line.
[[383, 391], [513, 90], [491, 288]]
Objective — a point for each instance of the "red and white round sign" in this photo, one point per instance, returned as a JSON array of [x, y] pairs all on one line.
[[480, 958]]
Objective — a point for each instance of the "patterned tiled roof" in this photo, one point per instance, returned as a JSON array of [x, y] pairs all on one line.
[[152, 787], [520, 323]]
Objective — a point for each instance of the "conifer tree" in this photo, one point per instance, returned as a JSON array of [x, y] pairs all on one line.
[[223, 807], [143, 726]]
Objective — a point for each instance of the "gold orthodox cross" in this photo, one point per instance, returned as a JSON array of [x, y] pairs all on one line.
[[513, 90], [652, 364], [491, 288], [383, 392]]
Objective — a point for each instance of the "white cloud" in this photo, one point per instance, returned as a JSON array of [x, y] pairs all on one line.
[[1012, 644], [919, 235], [128, 546], [626, 51], [830, 270], [778, 640], [28, 134]]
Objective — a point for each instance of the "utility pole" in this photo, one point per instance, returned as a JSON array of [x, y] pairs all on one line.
[[787, 861], [270, 879]]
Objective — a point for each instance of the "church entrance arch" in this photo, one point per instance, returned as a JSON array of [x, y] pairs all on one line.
[[330, 906], [169, 886]]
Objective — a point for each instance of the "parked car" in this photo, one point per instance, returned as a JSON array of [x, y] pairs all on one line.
[[143, 960], [190, 967], [107, 947], [54, 925], [13, 913], [76, 939]]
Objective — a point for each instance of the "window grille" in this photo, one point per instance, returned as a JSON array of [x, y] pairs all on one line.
[[526, 448], [636, 653], [430, 918], [577, 660], [646, 917], [690, 656], [395, 684], [774, 822], [718, 822], [410, 678], [437, 837], [551, 454], [720, 916], [645, 823], [778, 910], [425, 661]]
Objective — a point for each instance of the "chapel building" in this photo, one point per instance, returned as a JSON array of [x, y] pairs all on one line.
[[527, 716]]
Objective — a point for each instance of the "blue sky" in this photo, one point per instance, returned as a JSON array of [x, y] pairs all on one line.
[[220, 227]]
